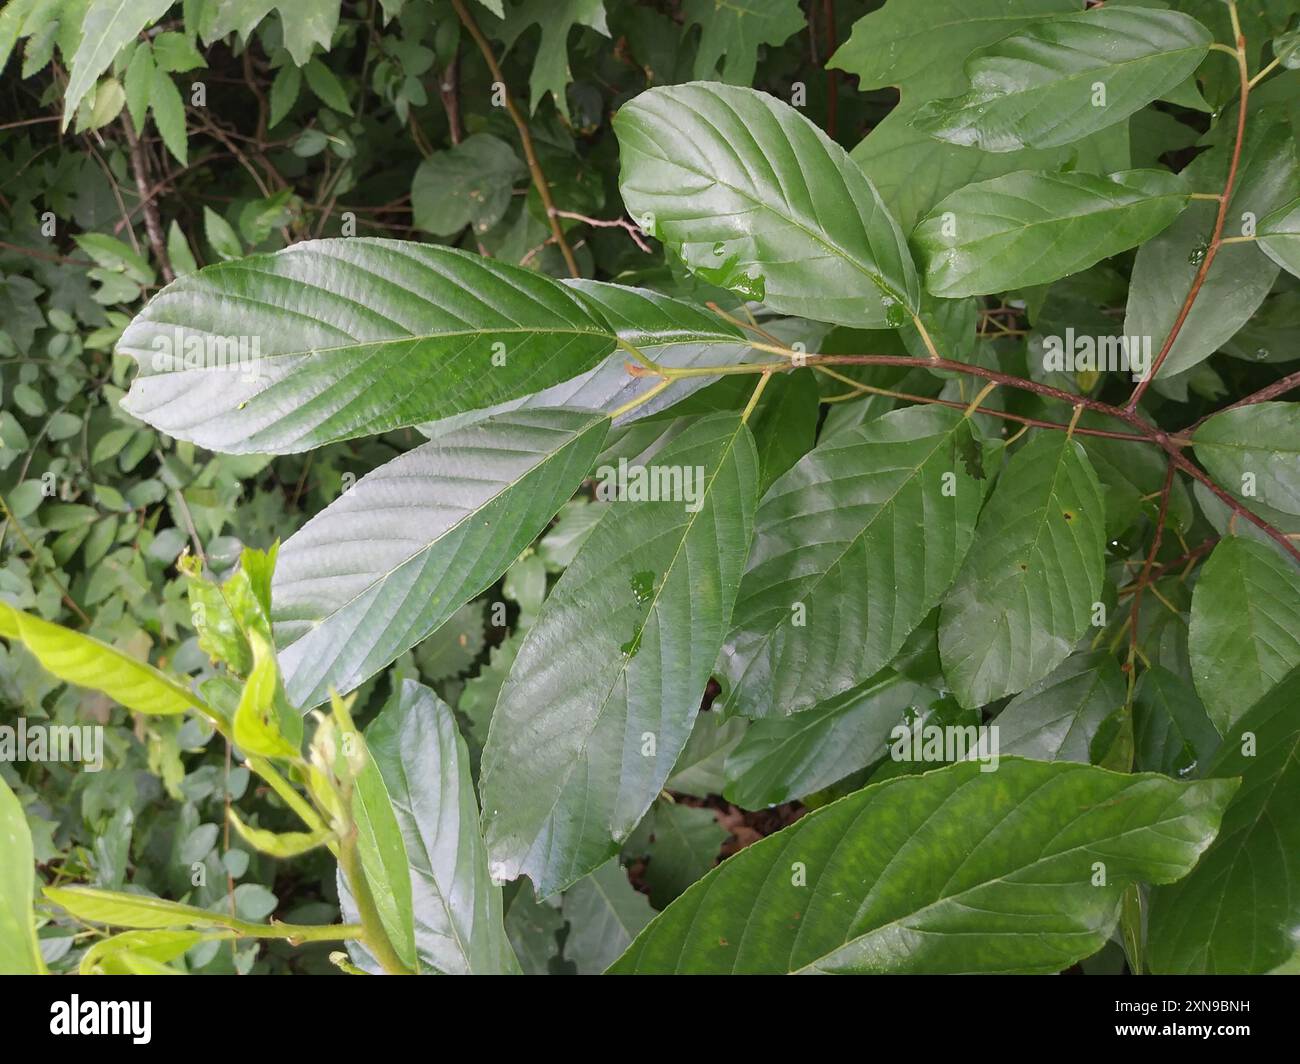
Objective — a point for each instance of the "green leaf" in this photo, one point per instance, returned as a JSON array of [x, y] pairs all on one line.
[[792, 757], [20, 953], [284, 93], [606, 686], [470, 184], [1237, 911], [1256, 446], [1057, 718], [1027, 589], [327, 88], [385, 862], [304, 23], [175, 53], [556, 18], [410, 543], [1031, 228], [278, 843], [107, 27], [178, 250], [138, 83], [1244, 631], [685, 846], [753, 197], [425, 766], [169, 115], [87, 662], [838, 576], [920, 49], [289, 358], [950, 871], [1171, 731], [223, 239], [256, 727], [604, 914], [1240, 276], [737, 29], [120, 909], [1279, 236], [106, 957], [1065, 78]]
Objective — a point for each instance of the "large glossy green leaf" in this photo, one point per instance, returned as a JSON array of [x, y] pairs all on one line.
[[1020, 870], [425, 768], [1279, 236], [1031, 228], [1057, 718], [1026, 591], [1238, 910], [107, 27], [603, 693], [1241, 274], [20, 954], [1255, 447], [345, 338], [87, 662], [920, 49], [1065, 78], [838, 575], [753, 197], [408, 544], [605, 913], [788, 758], [1245, 626]]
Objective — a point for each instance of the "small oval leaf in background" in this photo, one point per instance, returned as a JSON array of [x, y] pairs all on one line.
[[933, 873], [755, 198], [1065, 78], [1031, 228], [332, 339]]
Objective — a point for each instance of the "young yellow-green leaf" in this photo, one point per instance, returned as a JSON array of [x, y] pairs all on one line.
[[1279, 236], [424, 763], [120, 909], [20, 953], [1238, 910], [104, 957], [87, 662], [1031, 228], [278, 843], [1065, 78], [604, 690], [788, 758], [1028, 587], [755, 198], [256, 727], [407, 545], [106, 28], [838, 575], [333, 339], [1255, 447], [1244, 633], [953, 871]]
